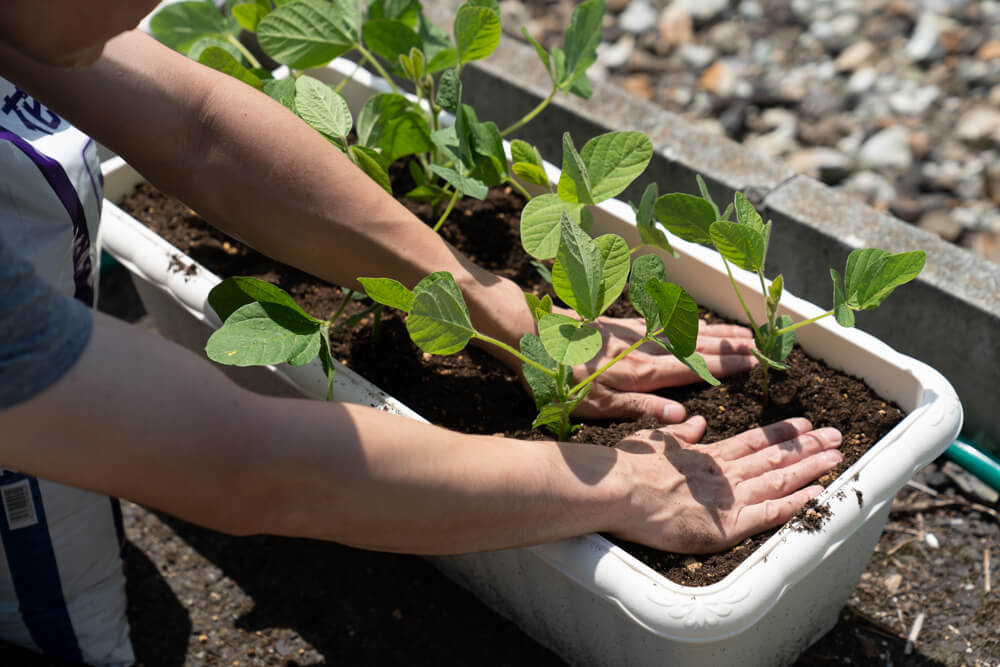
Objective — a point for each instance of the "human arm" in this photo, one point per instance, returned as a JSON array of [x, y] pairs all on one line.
[[142, 418]]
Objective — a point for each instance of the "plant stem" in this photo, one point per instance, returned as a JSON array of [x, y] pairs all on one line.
[[340, 309], [590, 378], [739, 295], [340, 86], [520, 188], [243, 50], [447, 211], [531, 114], [378, 67], [793, 327], [517, 353]]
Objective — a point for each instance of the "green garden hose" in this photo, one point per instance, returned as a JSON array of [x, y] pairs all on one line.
[[976, 462]]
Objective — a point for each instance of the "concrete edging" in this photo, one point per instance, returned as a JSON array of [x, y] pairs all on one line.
[[949, 317]]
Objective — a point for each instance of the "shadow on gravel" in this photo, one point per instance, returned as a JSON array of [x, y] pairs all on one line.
[[160, 623]]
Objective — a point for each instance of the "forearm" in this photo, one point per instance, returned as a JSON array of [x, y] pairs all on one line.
[[143, 419], [256, 171]]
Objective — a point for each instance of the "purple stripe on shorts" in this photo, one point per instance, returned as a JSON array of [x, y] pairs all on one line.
[[56, 177]]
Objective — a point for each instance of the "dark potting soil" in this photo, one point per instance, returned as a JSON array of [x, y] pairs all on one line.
[[493, 400]]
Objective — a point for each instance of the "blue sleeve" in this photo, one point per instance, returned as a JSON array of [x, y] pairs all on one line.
[[42, 332]]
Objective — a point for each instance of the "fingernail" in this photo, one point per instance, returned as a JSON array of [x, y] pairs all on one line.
[[833, 456], [673, 413], [831, 435]]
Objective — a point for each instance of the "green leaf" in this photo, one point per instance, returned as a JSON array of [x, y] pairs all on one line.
[[615, 259], [323, 109], [694, 361], [235, 292], [196, 50], [872, 275], [490, 160], [390, 123], [543, 55], [543, 385], [439, 319], [449, 92], [388, 39], [703, 189], [470, 187], [526, 163], [774, 296], [841, 311], [610, 162], [439, 50], [649, 233], [477, 32], [678, 315], [306, 34], [249, 14], [282, 90], [326, 358], [746, 214], [222, 60], [687, 216], [539, 307], [553, 415], [578, 272], [567, 340], [260, 334], [764, 359], [644, 269], [739, 243], [181, 24], [781, 346], [388, 292], [574, 182], [582, 38], [540, 224], [406, 11], [370, 162]]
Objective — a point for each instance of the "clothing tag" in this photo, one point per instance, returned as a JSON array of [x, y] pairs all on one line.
[[18, 505]]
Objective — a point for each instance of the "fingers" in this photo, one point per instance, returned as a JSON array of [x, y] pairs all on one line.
[[605, 402], [784, 454], [785, 481], [756, 439], [772, 513], [723, 330]]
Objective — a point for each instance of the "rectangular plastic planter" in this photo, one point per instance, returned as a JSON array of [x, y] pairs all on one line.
[[586, 598]]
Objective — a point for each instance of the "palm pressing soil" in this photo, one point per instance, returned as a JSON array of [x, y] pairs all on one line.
[[493, 400]]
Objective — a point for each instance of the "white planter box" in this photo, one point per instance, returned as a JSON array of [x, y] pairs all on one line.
[[586, 598]]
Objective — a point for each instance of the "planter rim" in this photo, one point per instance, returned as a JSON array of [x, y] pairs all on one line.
[[667, 609]]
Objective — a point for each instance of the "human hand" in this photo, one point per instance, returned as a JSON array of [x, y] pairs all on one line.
[[621, 391], [692, 498]]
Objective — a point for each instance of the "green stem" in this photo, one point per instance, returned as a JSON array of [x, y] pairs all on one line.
[[793, 327], [378, 67], [739, 295], [447, 211], [340, 309], [531, 114], [517, 353], [520, 188], [244, 50], [340, 86], [590, 378]]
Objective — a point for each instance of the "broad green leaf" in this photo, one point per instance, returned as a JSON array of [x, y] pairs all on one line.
[[649, 233], [369, 161], [395, 10], [477, 32], [390, 123], [678, 315], [872, 275], [739, 243], [196, 50], [306, 34], [540, 224], [388, 292], [841, 311], [439, 50], [470, 187], [539, 307], [553, 415], [581, 87], [567, 340], [644, 269], [388, 39], [439, 319], [326, 358], [282, 90], [491, 161], [259, 334], [222, 60], [703, 189], [746, 214], [687, 216], [781, 346], [235, 292], [611, 162], [578, 272], [181, 24], [543, 385], [449, 92], [615, 259], [492, 5], [764, 359], [249, 14], [574, 182], [530, 173], [324, 110], [526, 163], [582, 37], [558, 63]]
